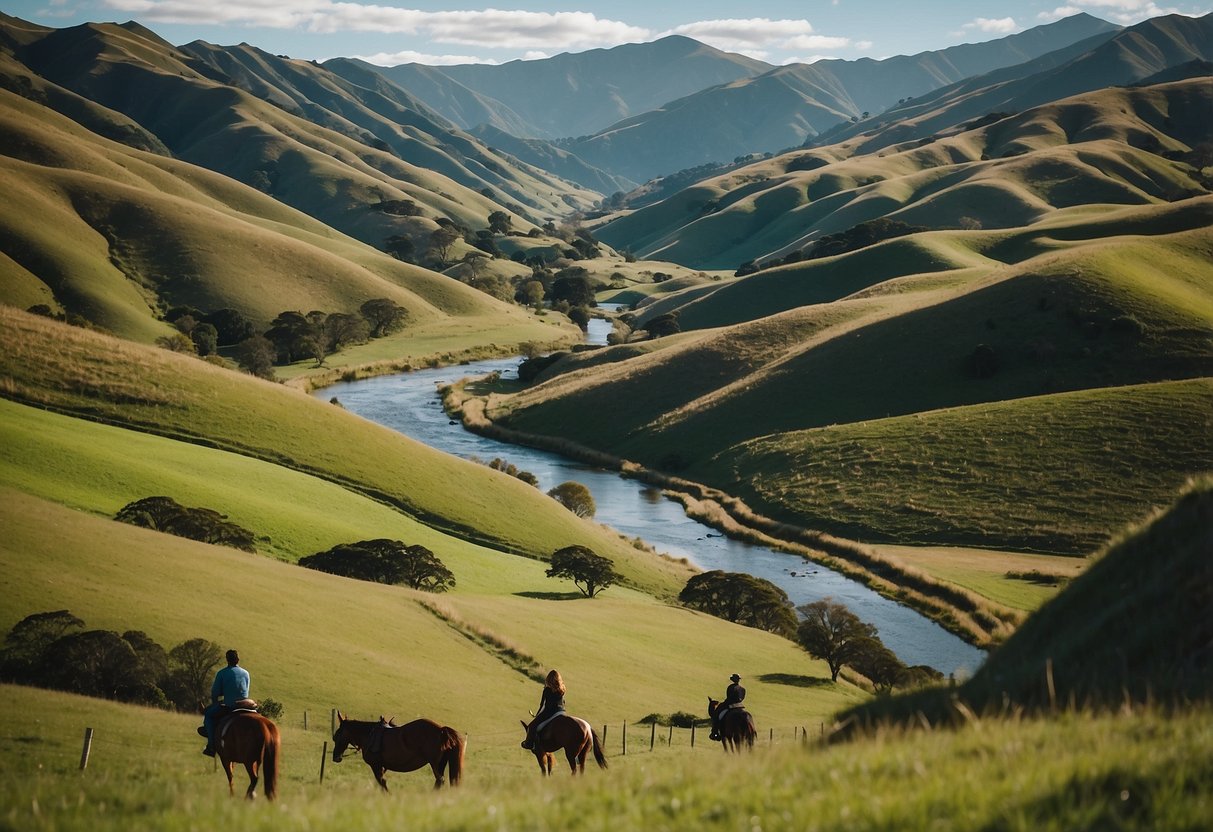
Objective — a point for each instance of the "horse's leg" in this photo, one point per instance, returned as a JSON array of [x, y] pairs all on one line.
[[227, 769], [436, 767], [251, 768], [570, 754], [379, 770]]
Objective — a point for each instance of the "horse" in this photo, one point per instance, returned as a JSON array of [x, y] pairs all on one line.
[[736, 727], [386, 746], [574, 735], [251, 739]]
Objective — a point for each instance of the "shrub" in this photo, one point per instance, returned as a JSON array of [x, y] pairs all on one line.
[[575, 497], [270, 708]]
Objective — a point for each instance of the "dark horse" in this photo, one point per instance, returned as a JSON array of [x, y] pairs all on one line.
[[736, 727], [251, 739], [386, 746], [574, 735]]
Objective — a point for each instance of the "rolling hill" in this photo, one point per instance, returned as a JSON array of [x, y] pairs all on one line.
[[1117, 145]]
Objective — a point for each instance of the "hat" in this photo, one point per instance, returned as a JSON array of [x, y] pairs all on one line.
[[735, 678]]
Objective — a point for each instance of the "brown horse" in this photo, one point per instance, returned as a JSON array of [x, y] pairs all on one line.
[[386, 746], [251, 739], [574, 735], [736, 727]]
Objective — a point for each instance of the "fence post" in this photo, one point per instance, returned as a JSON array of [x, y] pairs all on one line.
[[653, 735], [88, 745], [670, 740], [692, 735], [804, 736], [604, 727], [305, 720], [625, 739], [771, 738], [324, 753]]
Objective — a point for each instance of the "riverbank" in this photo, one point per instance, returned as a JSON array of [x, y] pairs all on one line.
[[975, 619]]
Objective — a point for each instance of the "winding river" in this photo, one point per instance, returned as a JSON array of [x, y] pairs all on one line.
[[410, 404]]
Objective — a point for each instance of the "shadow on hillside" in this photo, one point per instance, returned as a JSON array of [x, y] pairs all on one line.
[[551, 596], [794, 680]]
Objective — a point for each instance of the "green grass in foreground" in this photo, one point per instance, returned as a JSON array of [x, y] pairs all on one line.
[[1143, 771]]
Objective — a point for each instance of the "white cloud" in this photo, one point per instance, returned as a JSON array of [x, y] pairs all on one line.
[[482, 27], [808, 59], [736, 33], [816, 42], [408, 56], [1122, 11], [1000, 25], [535, 55]]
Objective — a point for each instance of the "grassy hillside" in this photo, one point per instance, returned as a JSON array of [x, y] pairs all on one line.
[[1090, 149], [101, 378], [1138, 771]]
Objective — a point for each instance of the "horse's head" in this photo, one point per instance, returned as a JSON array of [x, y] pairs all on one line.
[[712, 706], [341, 737]]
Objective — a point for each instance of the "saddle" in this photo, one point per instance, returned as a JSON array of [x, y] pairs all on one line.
[[239, 706]]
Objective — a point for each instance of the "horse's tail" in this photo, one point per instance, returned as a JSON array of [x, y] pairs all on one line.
[[751, 733], [452, 755], [269, 759], [599, 757]]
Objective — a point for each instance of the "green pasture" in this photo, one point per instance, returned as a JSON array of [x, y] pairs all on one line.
[[314, 641], [1136, 771], [984, 571], [103, 379]]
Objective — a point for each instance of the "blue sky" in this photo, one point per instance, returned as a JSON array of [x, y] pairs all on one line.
[[777, 31]]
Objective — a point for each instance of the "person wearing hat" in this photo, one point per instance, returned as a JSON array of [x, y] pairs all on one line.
[[230, 686], [734, 694]]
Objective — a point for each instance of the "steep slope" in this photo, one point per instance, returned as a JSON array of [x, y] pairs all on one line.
[[573, 94], [554, 159], [331, 175], [385, 116], [1145, 52], [117, 235], [1119, 145], [785, 106]]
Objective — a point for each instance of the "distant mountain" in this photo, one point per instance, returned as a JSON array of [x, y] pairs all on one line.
[[1152, 51], [573, 94], [783, 107]]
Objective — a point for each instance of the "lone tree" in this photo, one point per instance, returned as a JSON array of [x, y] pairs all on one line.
[[500, 222], [833, 633], [164, 514], [256, 356], [591, 573], [575, 497], [191, 666], [741, 598], [384, 315], [386, 562]]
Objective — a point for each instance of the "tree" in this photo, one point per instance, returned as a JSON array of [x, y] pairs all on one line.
[[255, 355], [93, 663], [832, 633], [575, 497], [580, 316], [530, 293], [591, 572], [27, 643], [386, 562], [294, 336], [441, 241], [663, 325], [342, 329], [573, 286], [164, 514], [400, 247], [177, 342], [500, 222], [741, 598], [192, 666], [230, 326], [206, 338], [878, 663], [384, 315]]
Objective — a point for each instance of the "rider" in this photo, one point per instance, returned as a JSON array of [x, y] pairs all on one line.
[[551, 705], [733, 696], [230, 685]]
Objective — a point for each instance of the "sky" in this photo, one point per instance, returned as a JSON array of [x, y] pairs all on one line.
[[775, 31]]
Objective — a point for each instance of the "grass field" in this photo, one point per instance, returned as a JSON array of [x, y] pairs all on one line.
[[1141, 771]]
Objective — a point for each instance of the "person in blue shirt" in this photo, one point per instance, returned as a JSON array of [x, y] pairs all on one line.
[[230, 686]]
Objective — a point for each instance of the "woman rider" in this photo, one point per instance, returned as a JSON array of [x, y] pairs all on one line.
[[551, 705]]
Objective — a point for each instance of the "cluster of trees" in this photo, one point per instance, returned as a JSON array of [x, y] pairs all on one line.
[[384, 561], [743, 599], [499, 464], [292, 335], [591, 572], [164, 514], [858, 236], [54, 650]]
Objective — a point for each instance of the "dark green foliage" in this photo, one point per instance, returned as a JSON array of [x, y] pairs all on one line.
[[342, 329], [573, 286], [530, 369], [500, 222], [270, 708], [580, 316], [878, 663], [384, 315], [748, 267], [499, 464], [806, 162], [663, 325], [860, 236], [742, 599], [256, 355], [386, 562], [165, 514], [575, 497], [205, 338], [834, 634], [678, 719], [297, 336], [231, 327], [591, 572], [400, 247], [51, 650], [399, 207]]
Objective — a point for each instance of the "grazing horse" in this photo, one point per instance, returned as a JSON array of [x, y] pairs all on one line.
[[386, 746], [251, 739], [736, 727], [574, 735]]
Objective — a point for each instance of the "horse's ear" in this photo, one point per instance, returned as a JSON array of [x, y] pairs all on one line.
[[523, 724], [340, 717]]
